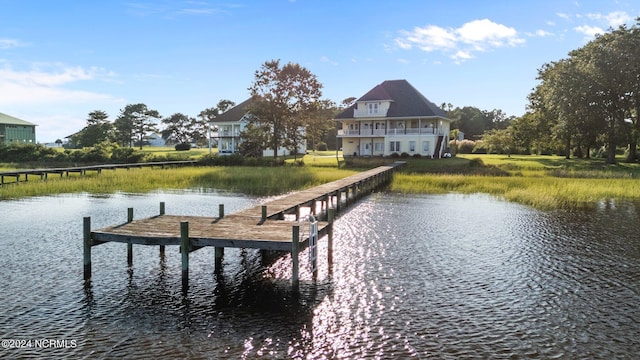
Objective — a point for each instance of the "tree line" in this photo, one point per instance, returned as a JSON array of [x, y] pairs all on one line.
[[286, 109], [586, 104]]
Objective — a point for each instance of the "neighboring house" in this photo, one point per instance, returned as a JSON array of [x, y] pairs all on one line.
[[15, 130], [155, 140], [394, 117], [230, 125]]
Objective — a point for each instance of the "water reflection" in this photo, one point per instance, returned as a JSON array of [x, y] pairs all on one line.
[[447, 276]]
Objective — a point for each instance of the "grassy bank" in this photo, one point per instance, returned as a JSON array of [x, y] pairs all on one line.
[[249, 180], [543, 182]]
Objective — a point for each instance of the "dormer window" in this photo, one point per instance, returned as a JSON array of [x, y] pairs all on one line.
[[373, 108]]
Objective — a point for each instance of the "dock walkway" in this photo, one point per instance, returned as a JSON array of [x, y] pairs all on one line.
[[265, 226]]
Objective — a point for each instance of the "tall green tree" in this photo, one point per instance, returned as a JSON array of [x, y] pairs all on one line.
[[178, 129], [97, 130], [136, 121], [283, 100]]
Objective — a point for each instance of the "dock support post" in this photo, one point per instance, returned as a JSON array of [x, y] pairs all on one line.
[[162, 210], [264, 212], [130, 246], [295, 274], [219, 251], [297, 210], [327, 201], [330, 218], [184, 249], [219, 255], [87, 248]]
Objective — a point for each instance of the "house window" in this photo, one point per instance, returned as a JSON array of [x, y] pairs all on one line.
[[425, 147], [378, 147], [394, 146], [412, 146], [373, 108]]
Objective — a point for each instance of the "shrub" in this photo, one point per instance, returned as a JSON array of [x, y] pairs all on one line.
[[404, 155], [126, 155], [183, 147], [466, 146], [417, 156], [322, 146]]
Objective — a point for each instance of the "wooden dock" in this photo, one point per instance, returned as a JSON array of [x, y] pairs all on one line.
[[18, 176], [275, 225]]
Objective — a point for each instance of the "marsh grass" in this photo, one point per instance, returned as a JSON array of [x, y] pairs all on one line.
[[539, 181], [544, 182], [249, 180]]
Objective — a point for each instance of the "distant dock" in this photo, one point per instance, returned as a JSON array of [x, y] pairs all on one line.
[[270, 226], [17, 176]]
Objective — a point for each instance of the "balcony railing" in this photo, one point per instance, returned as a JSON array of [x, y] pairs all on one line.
[[228, 133], [383, 132]]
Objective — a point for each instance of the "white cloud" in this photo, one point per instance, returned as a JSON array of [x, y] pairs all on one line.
[[540, 33], [325, 59], [429, 38], [474, 36], [43, 84], [403, 61], [589, 31], [10, 43], [612, 19], [481, 33]]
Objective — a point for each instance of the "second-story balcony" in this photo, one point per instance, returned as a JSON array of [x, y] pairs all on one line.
[[228, 133], [385, 132]]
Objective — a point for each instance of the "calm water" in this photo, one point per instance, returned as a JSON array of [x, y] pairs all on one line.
[[413, 277]]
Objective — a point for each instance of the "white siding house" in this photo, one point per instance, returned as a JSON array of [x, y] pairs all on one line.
[[394, 117], [232, 123]]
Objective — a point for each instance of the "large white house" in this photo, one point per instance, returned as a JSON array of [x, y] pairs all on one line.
[[230, 126], [394, 117]]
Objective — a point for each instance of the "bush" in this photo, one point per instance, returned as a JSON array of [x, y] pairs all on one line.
[[466, 146], [183, 147], [322, 146], [479, 148], [417, 156], [126, 155]]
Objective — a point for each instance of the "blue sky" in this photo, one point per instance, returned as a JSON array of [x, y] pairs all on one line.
[[60, 60]]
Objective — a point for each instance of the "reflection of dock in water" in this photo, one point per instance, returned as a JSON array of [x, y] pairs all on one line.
[[259, 227]]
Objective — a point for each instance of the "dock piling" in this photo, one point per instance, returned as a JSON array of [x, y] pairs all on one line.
[[331, 214], [162, 211], [185, 245], [87, 248], [295, 249], [130, 246], [264, 212], [219, 251]]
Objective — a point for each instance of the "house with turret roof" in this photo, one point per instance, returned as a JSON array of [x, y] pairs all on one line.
[[394, 118]]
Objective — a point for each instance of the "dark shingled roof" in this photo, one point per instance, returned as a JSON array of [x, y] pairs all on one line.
[[406, 101], [236, 113]]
